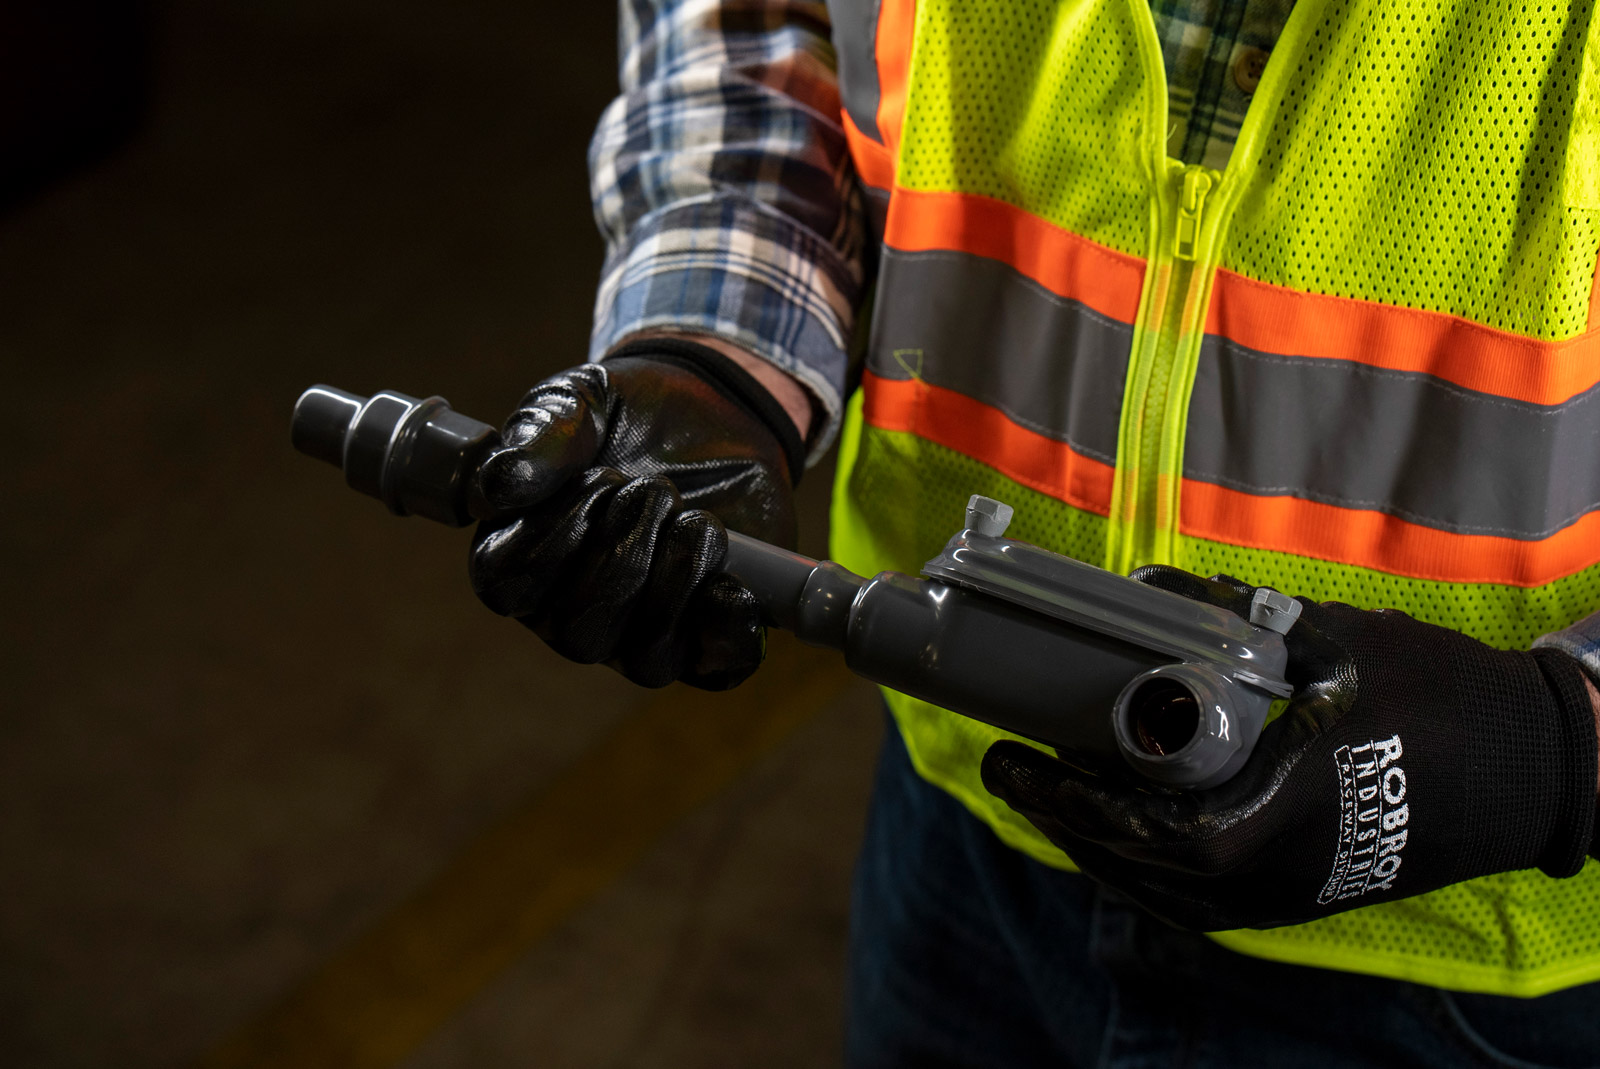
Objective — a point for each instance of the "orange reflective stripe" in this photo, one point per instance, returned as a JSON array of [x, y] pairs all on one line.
[[982, 432], [874, 162], [1369, 539], [1063, 262], [896, 24], [1275, 319]]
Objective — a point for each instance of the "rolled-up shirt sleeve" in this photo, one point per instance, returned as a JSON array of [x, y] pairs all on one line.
[[722, 183]]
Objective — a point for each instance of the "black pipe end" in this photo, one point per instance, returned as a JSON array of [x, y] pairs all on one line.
[[322, 418]]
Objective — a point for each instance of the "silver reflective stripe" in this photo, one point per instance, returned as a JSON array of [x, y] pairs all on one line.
[[981, 328], [1407, 444], [1333, 431], [855, 39]]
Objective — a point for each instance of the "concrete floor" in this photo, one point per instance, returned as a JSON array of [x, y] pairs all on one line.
[[248, 714]]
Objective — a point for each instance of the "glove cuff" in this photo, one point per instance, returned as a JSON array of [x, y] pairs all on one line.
[[1573, 836], [1594, 839], [731, 381]]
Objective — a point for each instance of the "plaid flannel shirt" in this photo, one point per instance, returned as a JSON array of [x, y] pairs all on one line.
[[723, 185], [1214, 51], [724, 188]]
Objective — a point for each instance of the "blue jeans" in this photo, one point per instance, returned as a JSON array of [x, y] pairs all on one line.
[[964, 952]]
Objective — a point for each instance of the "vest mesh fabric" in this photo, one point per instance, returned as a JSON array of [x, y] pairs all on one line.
[[1420, 158], [1027, 101], [1437, 182]]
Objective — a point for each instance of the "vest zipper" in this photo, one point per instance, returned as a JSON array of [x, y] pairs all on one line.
[[1197, 182], [1166, 349], [1190, 207]]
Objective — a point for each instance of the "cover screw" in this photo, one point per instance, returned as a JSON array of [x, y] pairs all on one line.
[[988, 517]]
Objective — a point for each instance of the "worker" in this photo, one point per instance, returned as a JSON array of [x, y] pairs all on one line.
[[1288, 294]]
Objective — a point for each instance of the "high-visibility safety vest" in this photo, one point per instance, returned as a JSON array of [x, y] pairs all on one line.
[[1359, 364]]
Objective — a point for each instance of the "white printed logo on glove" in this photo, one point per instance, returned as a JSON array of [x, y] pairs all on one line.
[[1373, 813]]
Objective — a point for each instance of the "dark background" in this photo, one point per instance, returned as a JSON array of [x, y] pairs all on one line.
[[247, 714]]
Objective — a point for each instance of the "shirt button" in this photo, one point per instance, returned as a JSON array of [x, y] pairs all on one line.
[[1247, 68]]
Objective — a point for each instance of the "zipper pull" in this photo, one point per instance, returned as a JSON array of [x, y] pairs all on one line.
[[1197, 183]]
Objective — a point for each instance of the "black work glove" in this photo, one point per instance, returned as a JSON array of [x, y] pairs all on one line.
[[607, 500], [1409, 758]]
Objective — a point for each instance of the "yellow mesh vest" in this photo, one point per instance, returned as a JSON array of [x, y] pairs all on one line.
[[1424, 156]]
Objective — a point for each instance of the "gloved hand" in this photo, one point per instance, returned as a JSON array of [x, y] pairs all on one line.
[[1410, 757], [606, 504]]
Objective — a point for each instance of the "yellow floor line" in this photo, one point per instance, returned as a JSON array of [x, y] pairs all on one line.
[[380, 998]]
